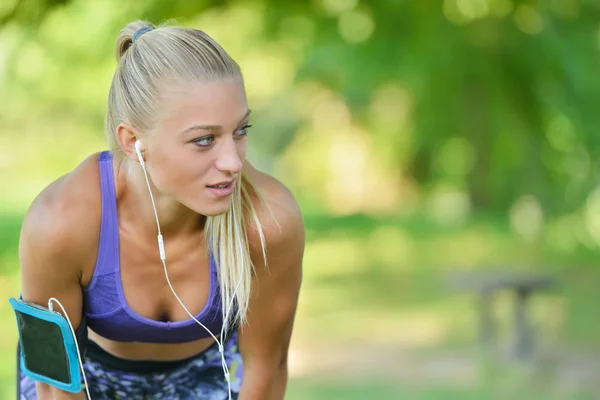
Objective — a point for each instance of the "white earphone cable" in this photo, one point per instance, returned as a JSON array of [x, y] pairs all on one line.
[[161, 248], [51, 308]]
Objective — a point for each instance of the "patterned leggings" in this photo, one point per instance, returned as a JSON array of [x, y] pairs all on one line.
[[199, 377]]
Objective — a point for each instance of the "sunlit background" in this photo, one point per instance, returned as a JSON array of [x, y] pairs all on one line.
[[422, 139]]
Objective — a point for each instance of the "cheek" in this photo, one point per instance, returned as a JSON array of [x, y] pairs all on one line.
[[242, 147], [174, 171]]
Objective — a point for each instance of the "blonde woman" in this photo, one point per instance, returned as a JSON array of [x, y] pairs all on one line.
[[229, 271]]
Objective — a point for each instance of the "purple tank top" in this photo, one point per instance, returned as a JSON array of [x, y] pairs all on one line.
[[104, 302]]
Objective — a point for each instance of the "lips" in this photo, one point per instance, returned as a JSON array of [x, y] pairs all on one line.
[[222, 189], [221, 185]]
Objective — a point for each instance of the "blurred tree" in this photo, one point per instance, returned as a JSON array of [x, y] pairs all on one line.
[[28, 12], [502, 92]]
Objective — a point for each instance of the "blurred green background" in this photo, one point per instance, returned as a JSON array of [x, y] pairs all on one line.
[[421, 138]]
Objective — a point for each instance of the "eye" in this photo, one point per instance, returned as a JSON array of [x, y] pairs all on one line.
[[243, 131], [204, 141]]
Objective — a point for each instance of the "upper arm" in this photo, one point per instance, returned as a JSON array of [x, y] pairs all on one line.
[[58, 239], [48, 257], [264, 340]]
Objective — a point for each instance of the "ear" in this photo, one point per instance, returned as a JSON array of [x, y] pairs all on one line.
[[126, 138]]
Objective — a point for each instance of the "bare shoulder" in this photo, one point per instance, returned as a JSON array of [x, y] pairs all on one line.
[[279, 214], [63, 220]]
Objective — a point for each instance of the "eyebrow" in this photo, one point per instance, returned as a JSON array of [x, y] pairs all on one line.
[[211, 127]]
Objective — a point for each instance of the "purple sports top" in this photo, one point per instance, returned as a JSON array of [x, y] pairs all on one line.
[[104, 303]]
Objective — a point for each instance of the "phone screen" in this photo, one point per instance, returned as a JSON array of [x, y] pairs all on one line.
[[43, 347]]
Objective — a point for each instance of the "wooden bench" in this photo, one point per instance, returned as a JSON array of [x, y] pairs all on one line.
[[523, 285]]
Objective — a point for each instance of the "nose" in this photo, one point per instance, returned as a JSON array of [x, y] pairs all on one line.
[[228, 160]]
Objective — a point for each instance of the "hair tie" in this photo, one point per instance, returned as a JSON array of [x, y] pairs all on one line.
[[140, 32]]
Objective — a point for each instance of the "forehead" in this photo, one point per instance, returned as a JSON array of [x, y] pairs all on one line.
[[218, 103]]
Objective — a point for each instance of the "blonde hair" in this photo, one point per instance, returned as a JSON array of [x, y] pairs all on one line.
[[168, 54]]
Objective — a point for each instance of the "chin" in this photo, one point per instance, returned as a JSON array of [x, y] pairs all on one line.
[[213, 210]]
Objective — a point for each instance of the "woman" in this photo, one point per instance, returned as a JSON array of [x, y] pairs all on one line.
[[232, 235]]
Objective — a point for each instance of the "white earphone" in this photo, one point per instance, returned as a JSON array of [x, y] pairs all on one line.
[[161, 248], [138, 150]]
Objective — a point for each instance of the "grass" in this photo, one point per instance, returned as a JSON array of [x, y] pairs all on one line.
[[380, 282], [300, 390]]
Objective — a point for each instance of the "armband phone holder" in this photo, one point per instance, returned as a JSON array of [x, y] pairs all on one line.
[[48, 352]]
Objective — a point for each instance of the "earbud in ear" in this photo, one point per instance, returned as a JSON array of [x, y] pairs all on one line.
[[138, 150]]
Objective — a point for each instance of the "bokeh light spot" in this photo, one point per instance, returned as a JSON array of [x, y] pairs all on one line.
[[528, 19], [356, 26]]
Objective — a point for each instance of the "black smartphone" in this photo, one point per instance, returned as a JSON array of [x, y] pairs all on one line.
[[47, 346]]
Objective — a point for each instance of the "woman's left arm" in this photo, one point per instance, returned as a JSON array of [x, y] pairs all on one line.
[[264, 340]]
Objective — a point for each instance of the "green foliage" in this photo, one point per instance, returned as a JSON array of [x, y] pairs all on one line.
[[515, 82]]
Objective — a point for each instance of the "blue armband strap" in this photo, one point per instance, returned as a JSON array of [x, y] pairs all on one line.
[[48, 352]]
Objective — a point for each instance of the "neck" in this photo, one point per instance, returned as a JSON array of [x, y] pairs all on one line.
[[135, 204]]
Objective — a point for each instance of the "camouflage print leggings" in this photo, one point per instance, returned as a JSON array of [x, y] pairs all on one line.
[[200, 377]]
